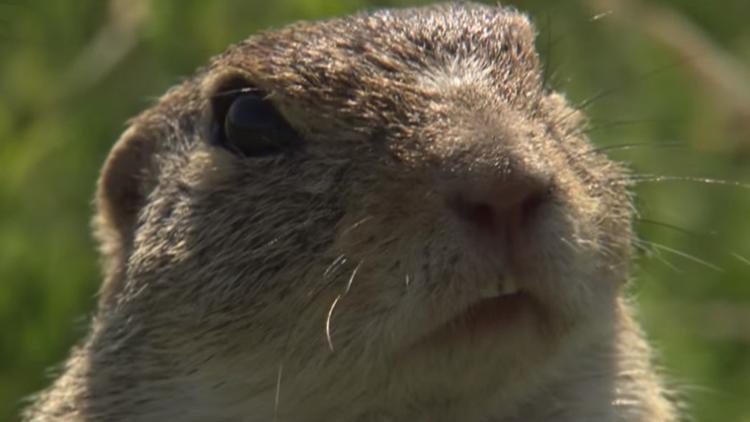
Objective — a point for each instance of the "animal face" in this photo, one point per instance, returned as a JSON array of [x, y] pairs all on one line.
[[388, 205]]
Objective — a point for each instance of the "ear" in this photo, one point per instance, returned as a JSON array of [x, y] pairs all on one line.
[[127, 178]]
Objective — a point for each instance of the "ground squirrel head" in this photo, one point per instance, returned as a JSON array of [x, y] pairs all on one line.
[[358, 208]]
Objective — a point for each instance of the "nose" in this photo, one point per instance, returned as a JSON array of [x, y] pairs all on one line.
[[494, 205]]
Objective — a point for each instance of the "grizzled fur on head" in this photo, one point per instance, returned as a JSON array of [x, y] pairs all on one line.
[[321, 284]]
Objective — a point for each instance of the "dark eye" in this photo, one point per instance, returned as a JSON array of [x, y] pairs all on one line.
[[247, 123]]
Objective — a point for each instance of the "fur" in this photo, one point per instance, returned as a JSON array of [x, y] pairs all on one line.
[[322, 284]]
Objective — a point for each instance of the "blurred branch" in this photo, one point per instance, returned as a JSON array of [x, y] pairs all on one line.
[[117, 37], [723, 78]]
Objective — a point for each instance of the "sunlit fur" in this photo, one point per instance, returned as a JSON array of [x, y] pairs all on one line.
[[323, 284]]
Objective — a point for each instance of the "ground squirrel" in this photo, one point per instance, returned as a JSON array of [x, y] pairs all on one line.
[[385, 217]]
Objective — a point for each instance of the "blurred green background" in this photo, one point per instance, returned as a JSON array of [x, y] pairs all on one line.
[[673, 75]]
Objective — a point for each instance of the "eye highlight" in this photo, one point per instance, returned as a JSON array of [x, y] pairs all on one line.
[[247, 123]]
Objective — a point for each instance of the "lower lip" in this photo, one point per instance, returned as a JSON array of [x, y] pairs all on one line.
[[483, 318], [492, 312]]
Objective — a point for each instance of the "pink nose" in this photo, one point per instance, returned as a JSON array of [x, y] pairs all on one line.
[[491, 207]]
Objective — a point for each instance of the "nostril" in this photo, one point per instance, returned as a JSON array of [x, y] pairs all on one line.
[[470, 211], [478, 213], [506, 205], [531, 204]]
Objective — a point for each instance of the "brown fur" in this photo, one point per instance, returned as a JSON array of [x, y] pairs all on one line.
[[322, 284]]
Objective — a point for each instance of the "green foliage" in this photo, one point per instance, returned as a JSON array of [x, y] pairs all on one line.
[[64, 100]]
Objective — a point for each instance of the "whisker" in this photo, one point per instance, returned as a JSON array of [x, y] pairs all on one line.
[[609, 91], [355, 225], [610, 124], [351, 278], [277, 395], [683, 255], [328, 321], [340, 260], [639, 179], [312, 298], [711, 234], [547, 52], [567, 242], [336, 301], [235, 91], [583, 105], [649, 252], [550, 71], [601, 15], [740, 257], [632, 145], [677, 228]]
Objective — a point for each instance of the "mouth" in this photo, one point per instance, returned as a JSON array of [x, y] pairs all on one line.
[[491, 313], [497, 310]]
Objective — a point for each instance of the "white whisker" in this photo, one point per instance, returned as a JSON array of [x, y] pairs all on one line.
[[355, 225], [683, 254], [655, 253], [340, 260], [740, 257], [351, 278], [278, 393], [567, 242], [336, 301], [328, 322]]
